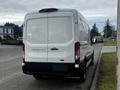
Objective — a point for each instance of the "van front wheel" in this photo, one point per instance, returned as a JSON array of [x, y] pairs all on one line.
[[92, 59]]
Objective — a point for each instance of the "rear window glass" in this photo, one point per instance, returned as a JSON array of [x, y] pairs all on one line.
[[37, 31], [49, 30], [59, 29]]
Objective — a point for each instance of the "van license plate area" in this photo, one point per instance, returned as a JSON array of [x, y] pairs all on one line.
[[60, 68]]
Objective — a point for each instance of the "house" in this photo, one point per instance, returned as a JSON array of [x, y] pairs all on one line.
[[6, 31], [1, 31], [11, 30]]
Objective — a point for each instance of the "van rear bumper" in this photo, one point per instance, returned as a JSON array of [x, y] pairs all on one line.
[[52, 68]]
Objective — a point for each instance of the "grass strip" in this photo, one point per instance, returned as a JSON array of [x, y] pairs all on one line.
[[107, 72], [110, 42]]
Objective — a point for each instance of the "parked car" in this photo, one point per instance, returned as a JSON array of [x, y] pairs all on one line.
[[56, 42], [97, 39], [94, 40], [19, 38]]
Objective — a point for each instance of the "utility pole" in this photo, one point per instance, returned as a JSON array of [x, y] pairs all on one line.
[[118, 29], [118, 45]]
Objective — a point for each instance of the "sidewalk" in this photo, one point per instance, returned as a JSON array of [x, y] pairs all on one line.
[[107, 49]]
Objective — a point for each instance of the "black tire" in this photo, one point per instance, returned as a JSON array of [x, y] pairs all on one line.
[[92, 59], [83, 74], [38, 77]]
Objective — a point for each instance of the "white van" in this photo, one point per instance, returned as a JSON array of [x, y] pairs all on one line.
[[56, 42]]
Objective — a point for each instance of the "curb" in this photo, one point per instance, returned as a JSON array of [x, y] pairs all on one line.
[[118, 70], [95, 75]]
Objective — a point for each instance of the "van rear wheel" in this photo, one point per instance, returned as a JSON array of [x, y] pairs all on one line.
[[83, 74], [38, 77]]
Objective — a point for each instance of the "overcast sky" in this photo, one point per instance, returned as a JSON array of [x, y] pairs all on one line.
[[95, 11]]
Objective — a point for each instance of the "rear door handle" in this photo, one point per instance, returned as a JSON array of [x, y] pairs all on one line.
[[54, 48]]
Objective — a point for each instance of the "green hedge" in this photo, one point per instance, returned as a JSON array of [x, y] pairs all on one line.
[[110, 42], [11, 42]]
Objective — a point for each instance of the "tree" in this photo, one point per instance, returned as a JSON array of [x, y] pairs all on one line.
[[108, 29], [94, 31], [9, 24], [17, 31]]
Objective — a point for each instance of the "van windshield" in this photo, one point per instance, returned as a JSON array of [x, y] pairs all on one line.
[[49, 30]]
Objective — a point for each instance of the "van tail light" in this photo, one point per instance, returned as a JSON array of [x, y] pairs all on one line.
[[23, 48], [77, 52]]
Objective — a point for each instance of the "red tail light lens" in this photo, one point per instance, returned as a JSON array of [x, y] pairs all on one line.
[[77, 52], [23, 48]]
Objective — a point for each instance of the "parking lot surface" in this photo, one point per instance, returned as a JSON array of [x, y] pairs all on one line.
[[12, 77]]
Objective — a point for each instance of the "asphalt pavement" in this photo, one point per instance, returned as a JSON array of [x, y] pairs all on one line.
[[12, 77]]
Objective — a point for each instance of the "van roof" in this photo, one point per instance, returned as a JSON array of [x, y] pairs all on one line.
[[44, 10], [54, 10]]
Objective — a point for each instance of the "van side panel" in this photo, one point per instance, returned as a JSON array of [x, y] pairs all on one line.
[[84, 37]]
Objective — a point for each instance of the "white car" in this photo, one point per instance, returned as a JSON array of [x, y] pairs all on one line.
[[97, 39], [56, 42]]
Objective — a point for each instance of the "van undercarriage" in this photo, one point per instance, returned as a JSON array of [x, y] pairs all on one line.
[[52, 68]]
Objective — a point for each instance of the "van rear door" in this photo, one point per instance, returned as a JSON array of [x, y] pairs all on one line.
[[60, 38], [36, 40]]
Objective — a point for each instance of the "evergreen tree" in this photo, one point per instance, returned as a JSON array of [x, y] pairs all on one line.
[[94, 31], [17, 31], [108, 28]]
